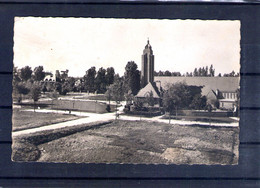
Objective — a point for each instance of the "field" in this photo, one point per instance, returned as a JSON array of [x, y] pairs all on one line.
[[27, 119], [133, 142]]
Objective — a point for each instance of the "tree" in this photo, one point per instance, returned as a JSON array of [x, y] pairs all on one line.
[[89, 79], [128, 97], [35, 94], [65, 88], [203, 72], [206, 71], [110, 74], [199, 102], [167, 73], [39, 74], [22, 90], [176, 74], [132, 78], [54, 96], [211, 71], [100, 81], [58, 87], [71, 84], [150, 101], [116, 91], [176, 96], [195, 72], [160, 73], [26, 73], [16, 76], [200, 72], [44, 89]]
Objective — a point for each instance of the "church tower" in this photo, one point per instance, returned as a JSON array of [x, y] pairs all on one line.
[[147, 71]]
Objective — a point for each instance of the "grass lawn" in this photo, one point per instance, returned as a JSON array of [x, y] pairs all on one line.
[[26, 119], [137, 142]]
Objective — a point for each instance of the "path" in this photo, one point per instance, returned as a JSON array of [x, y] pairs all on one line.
[[91, 117]]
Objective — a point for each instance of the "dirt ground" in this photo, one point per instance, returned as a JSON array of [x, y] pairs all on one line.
[[143, 142], [32, 120]]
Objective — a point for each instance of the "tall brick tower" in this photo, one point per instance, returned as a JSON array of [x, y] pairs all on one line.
[[147, 71]]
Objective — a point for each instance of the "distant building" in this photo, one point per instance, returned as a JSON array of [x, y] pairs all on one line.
[[63, 76], [49, 77]]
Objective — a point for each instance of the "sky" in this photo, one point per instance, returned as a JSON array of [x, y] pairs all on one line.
[[77, 44]]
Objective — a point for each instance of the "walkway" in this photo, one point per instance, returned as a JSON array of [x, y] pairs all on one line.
[[93, 117]]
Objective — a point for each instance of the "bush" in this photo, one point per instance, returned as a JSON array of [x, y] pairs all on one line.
[[108, 108]]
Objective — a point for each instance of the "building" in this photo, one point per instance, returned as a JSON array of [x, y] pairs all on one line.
[[147, 70], [218, 90]]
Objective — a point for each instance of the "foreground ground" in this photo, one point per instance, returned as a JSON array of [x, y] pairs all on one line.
[[135, 142]]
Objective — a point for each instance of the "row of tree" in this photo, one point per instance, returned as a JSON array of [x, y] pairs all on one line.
[[98, 81], [198, 72], [26, 73]]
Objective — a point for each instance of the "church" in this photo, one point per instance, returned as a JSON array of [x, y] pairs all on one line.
[[221, 89]]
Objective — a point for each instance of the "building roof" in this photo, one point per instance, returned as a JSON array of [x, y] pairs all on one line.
[[150, 87], [223, 84]]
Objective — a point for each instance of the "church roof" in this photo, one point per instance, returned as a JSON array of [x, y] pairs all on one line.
[[223, 84], [148, 48], [150, 87]]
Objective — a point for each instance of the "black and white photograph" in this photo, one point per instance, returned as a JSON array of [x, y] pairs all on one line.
[[126, 91]]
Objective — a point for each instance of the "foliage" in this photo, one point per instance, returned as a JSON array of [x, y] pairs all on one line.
[[232, 74], [39, 74], [167, 73], [100, 81], [22, 89], [110, 74], [35, 92], [116, 91], [26, 73], [44, 88], [16, 77], [138, 104], [129, 97], [199, 102], [177, 95], [132, 78], [204, 71], [89, 79], [150, 99]]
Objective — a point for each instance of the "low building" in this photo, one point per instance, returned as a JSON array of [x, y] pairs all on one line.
[[222, 90], [150, 88]]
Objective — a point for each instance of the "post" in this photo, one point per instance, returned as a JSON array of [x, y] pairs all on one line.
[[169, 117], [116, 109]]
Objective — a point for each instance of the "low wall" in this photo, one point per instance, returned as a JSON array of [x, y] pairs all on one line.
[[204, 113], [143, 113], [88, 106]]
